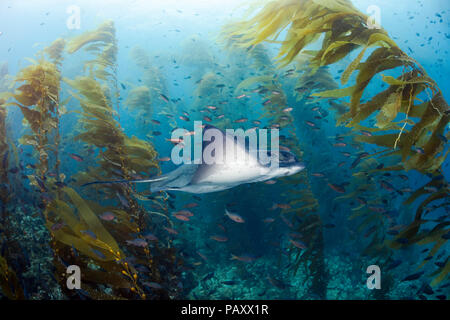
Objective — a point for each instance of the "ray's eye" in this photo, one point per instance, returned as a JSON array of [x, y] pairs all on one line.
[[287, 157]]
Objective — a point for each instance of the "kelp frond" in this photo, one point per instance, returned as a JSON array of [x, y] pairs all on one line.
[[104, 34], [56, 50], [38, 96], [345, 30], [102, 44]]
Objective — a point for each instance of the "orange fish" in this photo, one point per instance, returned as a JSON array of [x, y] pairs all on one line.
[[219, 238], [235, 217], [298, 244], [185, 213], [170, 230], [164, 98], [243, 258], [107, 216], [180, 217], [336, 188], [283, 148], [318, 174], [176, 141], [76, 157], [339, 144], [286, 221], [138, 242], [295, 235], [283, 206], [152, 285]]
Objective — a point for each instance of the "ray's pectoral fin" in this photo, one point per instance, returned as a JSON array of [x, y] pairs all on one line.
[[176, 179]]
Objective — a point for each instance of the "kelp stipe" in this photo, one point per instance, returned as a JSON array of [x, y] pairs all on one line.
[[344, 30], [369, 223]]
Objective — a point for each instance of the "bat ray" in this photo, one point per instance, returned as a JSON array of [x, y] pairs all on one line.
[[243, 167]]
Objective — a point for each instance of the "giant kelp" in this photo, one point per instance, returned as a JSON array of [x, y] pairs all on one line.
[[342, 29], [211, 92], [309, 82], [5, 188], [104, 250], [155, 85], [37, 95], [197, 55], [130, 156], [102, 44], [4, 155], [9, 283], [139, 99], [345, 30], [81, 239], [38, 99]]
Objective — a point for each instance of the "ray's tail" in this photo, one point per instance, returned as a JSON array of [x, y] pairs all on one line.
[[126, 181]]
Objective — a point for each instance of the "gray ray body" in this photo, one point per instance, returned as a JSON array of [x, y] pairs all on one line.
[[205, 178]]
